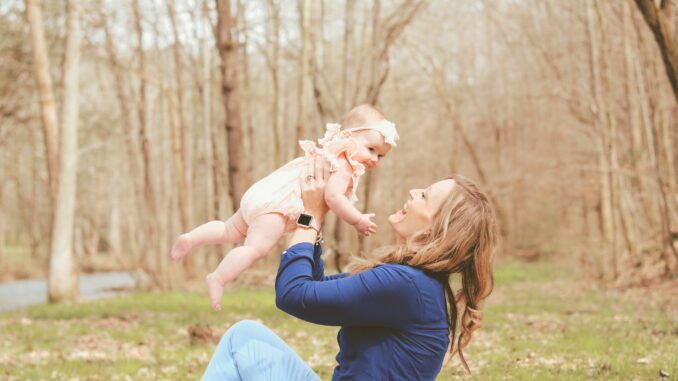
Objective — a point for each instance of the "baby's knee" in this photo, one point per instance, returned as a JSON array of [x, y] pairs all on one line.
[[261, 253]]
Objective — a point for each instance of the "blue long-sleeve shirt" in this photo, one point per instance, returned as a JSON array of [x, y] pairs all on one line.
[[393, 318]]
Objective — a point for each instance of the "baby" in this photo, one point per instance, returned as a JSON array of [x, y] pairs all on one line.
[[272, 206]]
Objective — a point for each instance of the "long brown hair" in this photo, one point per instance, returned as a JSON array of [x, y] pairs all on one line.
[[461, 240]]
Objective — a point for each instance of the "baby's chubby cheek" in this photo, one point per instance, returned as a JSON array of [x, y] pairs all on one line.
[[369, 165]]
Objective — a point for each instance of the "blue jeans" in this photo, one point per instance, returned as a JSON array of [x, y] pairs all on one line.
[[249, 351]]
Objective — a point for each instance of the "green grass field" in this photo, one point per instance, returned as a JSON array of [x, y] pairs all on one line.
[[540, 324]]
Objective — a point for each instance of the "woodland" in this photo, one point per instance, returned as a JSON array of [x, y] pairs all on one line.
[[124, 123]]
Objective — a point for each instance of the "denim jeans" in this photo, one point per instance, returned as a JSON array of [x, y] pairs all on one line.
[[249, 351]]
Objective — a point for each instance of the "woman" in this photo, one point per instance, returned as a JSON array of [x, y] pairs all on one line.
[[398, 312]]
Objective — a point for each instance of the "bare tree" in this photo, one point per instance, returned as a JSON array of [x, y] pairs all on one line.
[[150, 211], [63, 280], [383, 36], [183, 143], [304, 27], [131, 138], [659, 20], [228, 52], [348, 45], [242, 26], [273, 63], [48, 110]]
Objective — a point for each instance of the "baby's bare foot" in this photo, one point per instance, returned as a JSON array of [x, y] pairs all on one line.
[[181, 247], [215, 288]]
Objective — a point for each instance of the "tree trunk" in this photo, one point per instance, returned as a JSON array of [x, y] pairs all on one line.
[[228, 52], [150, 213], [601, 126], [633, 100], [48, 111], [181, 139], [659, 20], [213, 135], [184, 144], [114, 237], [211, 199], [629, 203], [304, 28], [273, 65], [616, 183], [651, 145], [63, 280], [348, 46], [179, 171], [247, 125], [131, 140]]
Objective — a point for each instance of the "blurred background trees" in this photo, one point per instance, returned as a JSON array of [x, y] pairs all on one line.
[[563, 111]]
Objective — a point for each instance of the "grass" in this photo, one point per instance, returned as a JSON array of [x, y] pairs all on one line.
[[541, 323]]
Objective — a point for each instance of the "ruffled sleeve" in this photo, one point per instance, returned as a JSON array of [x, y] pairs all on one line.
[[338, 143], [335, 144]]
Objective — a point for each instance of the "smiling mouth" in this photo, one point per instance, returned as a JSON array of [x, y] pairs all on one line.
[[399, 215]]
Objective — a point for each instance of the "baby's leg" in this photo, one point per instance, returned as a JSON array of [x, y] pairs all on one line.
[[262, 235], [211, 233]]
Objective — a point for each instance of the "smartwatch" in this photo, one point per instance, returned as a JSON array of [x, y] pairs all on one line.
[[307, 221]]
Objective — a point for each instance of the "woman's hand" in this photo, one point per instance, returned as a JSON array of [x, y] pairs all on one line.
[[312, 182]]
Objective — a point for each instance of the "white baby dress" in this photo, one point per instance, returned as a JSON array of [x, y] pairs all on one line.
[[280, 192]]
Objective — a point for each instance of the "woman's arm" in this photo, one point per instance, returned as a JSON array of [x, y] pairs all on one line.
[[312, 191], [319, 266], [384, 296], [312, 184]]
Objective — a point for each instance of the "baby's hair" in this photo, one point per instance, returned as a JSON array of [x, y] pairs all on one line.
[[361, 115]]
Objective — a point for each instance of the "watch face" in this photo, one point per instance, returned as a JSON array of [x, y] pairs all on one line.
[[304, 219]]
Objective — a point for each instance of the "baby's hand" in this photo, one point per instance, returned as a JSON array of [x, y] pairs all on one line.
[[365, 226]]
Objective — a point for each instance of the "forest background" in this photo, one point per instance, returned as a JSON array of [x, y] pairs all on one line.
[[125, 123]]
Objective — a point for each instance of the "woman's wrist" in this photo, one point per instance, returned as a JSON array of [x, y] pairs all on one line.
[[318, 216], [303, 235], [312, 186]]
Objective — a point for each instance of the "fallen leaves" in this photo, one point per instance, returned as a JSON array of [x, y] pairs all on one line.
[[201, 334]]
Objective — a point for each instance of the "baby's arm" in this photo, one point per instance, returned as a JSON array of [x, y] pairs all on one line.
[[335, 197]]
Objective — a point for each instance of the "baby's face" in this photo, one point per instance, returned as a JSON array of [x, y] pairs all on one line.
[[371, 148]]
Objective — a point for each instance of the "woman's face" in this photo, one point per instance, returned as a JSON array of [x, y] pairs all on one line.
[[422, 204]]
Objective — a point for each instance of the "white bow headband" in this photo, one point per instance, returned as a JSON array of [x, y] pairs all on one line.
[[384, 127]]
